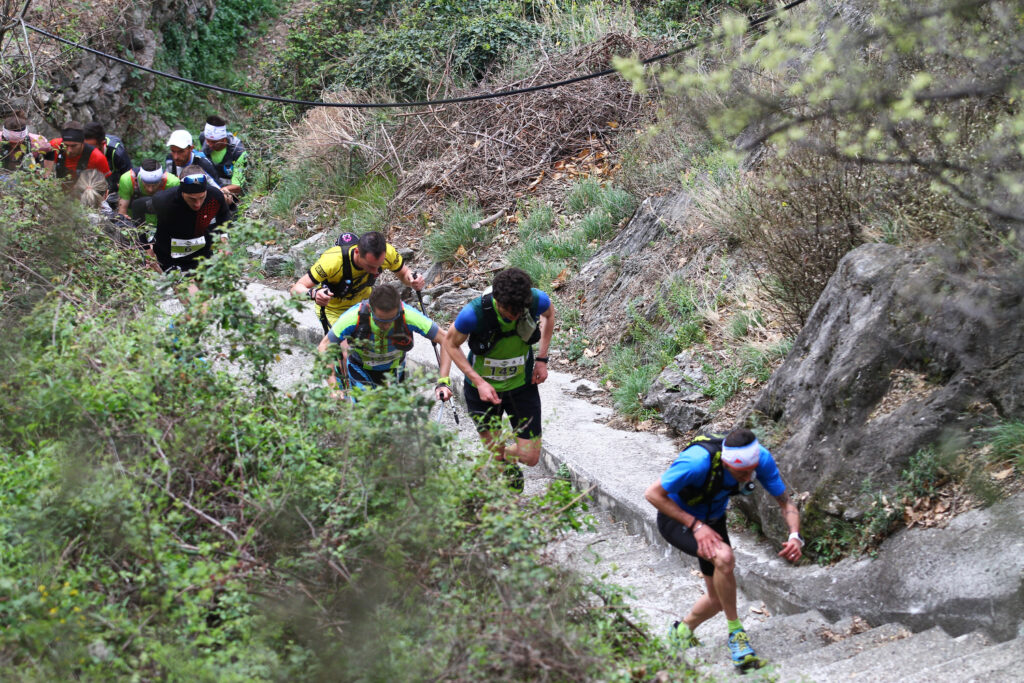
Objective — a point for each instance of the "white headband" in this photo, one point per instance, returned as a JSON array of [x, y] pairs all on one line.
[[151, 177], [742, 457], [215, 132], [15, 135]]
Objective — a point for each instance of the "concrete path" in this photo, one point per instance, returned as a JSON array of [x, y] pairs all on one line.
[[617, 466]]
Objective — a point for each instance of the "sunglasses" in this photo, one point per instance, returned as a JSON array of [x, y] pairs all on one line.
[[195, 179], [384, 321]]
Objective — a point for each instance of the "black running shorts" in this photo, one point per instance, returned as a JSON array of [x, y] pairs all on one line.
[[681, 537], [522, 405]]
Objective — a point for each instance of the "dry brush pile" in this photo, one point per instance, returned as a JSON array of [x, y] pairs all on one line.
[[489, 151]]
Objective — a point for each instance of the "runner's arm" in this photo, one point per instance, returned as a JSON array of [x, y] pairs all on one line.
[[792, 549], [706, 537], [414, 280], [451, 351], [305, 283], [547, 329]]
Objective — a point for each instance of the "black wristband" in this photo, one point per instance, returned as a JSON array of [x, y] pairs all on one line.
[[311, 292], [541, 359]]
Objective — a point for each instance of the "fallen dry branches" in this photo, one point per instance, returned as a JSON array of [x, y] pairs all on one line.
[[490, 150]]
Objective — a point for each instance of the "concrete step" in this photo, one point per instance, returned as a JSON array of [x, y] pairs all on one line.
[[773, 640], [791, 667], [999, 662], [889, 661]]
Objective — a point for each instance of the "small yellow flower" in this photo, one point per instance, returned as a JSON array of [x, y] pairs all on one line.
[[42, 589], [76, 609], [53, 610], [73, 591]]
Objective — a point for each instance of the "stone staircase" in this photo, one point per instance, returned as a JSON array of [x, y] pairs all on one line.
[[616, 466], [796, 649]]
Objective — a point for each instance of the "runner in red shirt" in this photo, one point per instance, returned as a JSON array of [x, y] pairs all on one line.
[[72, 155]]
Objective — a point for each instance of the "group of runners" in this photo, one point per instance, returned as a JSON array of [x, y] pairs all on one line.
[[185, 199], [178, 202], [374, 330]]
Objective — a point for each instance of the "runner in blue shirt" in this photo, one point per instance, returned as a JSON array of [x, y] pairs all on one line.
[[691, 499]]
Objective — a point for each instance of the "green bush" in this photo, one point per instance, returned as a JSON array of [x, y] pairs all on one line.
[[168, 514], [400, 48]]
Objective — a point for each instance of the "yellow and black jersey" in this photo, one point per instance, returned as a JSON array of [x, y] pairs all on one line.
[[348, 284]]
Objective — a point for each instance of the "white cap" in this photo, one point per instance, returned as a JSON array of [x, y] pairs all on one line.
[[742, 457], [180, 138]]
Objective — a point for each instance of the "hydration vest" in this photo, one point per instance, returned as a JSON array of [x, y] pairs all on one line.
[[483, 340], [713, 483], [399, 336], [345, 287], [113, 143], [83, 161], [226, 167]]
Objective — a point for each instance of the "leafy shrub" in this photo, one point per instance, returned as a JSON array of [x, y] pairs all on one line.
[[797, 227], [168, 514], [400, 47]]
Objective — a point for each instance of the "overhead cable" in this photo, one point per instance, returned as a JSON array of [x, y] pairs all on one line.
[[391, 105]]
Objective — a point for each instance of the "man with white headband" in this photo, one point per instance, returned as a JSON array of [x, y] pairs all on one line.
[[226, 152], [691, 499], [143, 181], [20, 149]]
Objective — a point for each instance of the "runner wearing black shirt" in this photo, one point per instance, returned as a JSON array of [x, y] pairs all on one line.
[[187, 216]]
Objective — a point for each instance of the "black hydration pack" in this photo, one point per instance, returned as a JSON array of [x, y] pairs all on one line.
[[713, 483], [63, 171], [483, 340], [345, 287]]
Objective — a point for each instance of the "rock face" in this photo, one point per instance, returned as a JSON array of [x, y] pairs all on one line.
[[88, 87], [626, 269], [677, 394], [965, 577], [900, 352]]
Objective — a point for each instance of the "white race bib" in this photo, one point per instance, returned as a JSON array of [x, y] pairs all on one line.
[[380, 358], [183, 248], [503, 368]]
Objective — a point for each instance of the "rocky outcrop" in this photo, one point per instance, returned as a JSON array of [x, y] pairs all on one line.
[[627, 269], [902, 351], [965, 577], [87, 87], [677, 394]]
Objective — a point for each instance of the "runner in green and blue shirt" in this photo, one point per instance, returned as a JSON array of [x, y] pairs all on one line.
[[375, 336], [502, 372]]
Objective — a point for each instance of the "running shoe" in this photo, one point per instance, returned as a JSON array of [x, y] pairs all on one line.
[[682, 642], [743, 655]]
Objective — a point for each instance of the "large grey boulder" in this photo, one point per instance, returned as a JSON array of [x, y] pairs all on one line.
[[628, 268], [305, 253], [901, 352], [678, 395]]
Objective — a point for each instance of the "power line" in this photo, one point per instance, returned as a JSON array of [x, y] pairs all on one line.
[[423, 103]]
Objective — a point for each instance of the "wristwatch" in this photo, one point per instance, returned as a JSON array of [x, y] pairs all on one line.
[[541, 359]]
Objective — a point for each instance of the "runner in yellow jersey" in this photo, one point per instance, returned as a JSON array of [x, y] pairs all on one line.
[[344, 274]]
